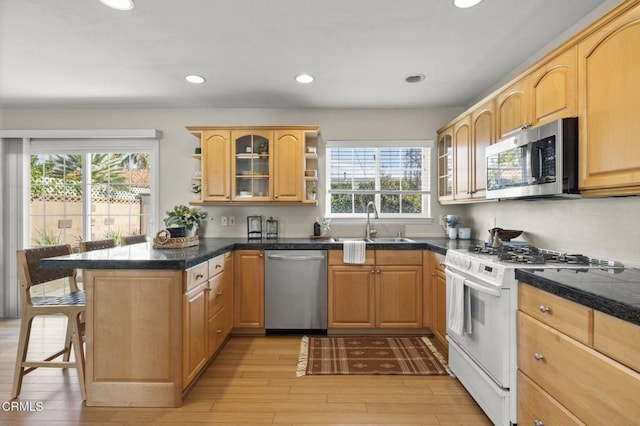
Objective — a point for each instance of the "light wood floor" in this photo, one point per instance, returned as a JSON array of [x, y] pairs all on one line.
[[251, 382]]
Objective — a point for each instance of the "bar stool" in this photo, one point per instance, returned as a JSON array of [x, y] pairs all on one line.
[[97, 244], [133, 239], [72, 305]]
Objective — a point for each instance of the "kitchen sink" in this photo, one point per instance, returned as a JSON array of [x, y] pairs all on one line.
[[374, 240], [392, 240], [343, 239]]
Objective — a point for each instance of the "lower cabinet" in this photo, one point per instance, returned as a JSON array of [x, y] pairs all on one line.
[[384, 292], [194, 332], [207, 299], [248, 292], [435, 296], [580, 384]]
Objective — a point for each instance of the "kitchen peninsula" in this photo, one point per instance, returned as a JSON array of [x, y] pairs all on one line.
[[147, 335], [138, 306]]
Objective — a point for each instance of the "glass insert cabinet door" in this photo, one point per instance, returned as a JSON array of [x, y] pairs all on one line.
[[252, 165], [445, 165]]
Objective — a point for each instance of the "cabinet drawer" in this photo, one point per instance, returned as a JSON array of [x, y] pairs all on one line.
[[564, 315], [216, 294], [617, 338], [336, 257], [216, 265], [196, 275], [215, 330], [398, 257], [535, 405], [593, 387]]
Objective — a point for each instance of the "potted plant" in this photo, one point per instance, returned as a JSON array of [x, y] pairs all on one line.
[[452, 226], [186, 217], [312, 192]]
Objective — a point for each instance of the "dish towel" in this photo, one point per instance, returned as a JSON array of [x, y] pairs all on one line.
[[458, 304], [354, 252]]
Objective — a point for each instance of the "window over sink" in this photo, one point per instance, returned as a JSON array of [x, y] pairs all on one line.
[[395, 175]]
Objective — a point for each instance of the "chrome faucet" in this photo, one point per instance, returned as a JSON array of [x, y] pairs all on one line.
[[370, 232]]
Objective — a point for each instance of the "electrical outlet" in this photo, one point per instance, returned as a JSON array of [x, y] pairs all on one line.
[[223, 220], [232, 221]]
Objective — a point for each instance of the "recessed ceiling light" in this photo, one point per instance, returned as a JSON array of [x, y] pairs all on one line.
[[195, 78], [415, 78], [304, 78], [118, 4], [463, 4]]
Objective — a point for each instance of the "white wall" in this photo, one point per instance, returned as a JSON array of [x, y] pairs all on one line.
[[177, 145], [607, 228]]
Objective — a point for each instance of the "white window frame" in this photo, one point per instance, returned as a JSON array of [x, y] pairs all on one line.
[[427, 184]]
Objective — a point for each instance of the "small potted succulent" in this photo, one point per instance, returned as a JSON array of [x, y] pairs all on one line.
[[188, 218], [312, 192]]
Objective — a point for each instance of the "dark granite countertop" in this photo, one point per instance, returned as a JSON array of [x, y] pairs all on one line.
[[144, 256], [616, 294]]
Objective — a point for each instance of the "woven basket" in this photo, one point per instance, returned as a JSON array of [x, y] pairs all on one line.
[[163, 240]]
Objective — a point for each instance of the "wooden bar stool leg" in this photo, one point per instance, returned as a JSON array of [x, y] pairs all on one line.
[[67, 342], [21, 357], [78, 351]]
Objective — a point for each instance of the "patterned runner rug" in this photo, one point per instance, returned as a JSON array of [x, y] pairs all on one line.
[[370, 355]]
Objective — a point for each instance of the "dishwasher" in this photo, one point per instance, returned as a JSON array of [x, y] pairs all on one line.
[[295, 291]]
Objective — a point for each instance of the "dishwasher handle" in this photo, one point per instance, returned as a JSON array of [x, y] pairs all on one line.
[[283, 257]]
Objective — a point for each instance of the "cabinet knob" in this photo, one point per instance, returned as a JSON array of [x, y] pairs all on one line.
[[218, 266], [219, 293], [373, 272], [260, 255], [377, 271], [219, 331], [275, 196], [544, 309], [538, 356], [433, 274], [537, 422]]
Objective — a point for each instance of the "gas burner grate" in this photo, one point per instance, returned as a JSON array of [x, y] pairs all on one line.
[[484, 250], [512, 257]]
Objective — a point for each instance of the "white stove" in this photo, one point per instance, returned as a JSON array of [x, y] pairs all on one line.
[[482, 300]]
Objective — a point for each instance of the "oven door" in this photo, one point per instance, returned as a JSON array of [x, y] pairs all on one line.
[[488, 342]]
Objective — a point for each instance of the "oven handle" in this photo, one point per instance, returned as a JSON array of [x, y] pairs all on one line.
[[482, 289]]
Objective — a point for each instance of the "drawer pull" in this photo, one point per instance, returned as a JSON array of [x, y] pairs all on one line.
[[219, 331], [199, 276], [218, 266], [537, 422], [544, 309], [219, 293], [538, 356]]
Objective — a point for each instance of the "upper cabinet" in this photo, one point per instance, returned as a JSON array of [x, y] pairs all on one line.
[[609, 101], [256, 164], [216, 147], [461, 157], [251, 165], [513, 109], [288, 180], [483, 134], [592, 76], [445, 165], [554, 88]]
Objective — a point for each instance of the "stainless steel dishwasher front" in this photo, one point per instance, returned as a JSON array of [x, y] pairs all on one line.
[[295, 291]]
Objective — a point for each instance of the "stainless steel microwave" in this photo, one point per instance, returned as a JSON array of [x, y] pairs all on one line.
[[536, 162]]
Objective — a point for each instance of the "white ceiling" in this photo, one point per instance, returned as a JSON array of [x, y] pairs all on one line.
[[79, 53]]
